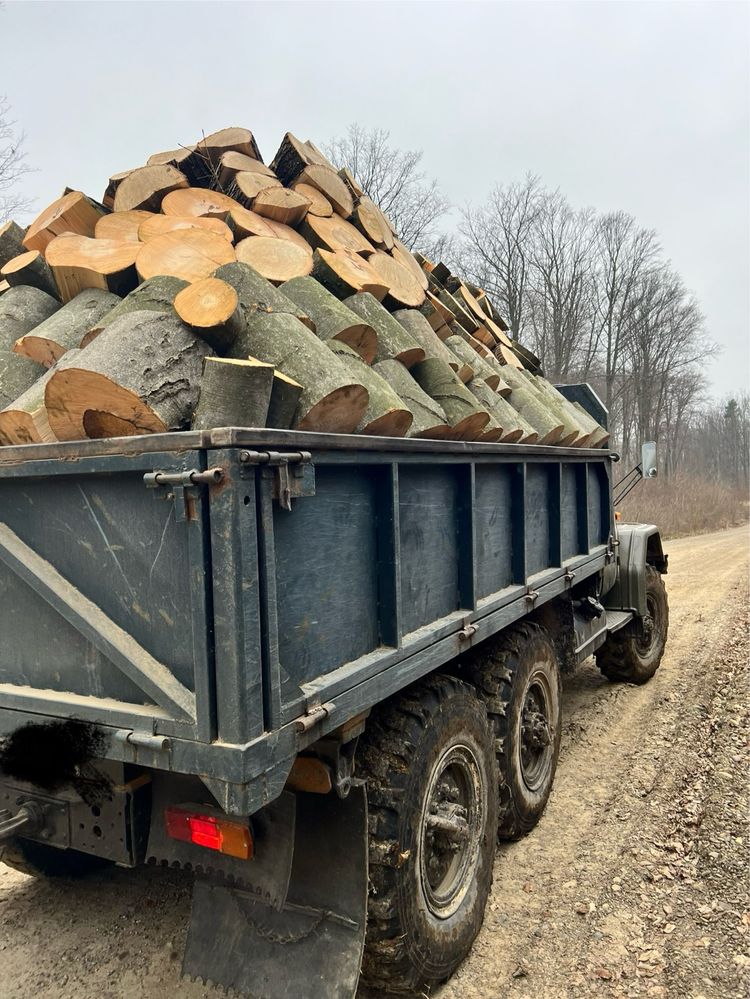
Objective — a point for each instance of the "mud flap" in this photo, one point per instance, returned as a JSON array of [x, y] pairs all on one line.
[[313, 945]]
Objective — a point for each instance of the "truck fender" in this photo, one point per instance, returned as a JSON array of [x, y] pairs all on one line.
[[638, 545]]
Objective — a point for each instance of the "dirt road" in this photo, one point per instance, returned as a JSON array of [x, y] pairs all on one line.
[[635, 883]]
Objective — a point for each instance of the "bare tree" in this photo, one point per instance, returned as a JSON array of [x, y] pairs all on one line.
[[13, 164], [393, 179]]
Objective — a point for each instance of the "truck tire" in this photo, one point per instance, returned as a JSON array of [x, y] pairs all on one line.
[[633, 653], [40, 860], [519, 680], [428, 760]]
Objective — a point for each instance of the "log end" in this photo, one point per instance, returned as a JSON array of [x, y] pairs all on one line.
[[361, 338], [394, 423], [339, 412], [411, 356]]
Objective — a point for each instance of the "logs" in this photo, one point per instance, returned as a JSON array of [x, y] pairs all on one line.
[[386, 415], [470, 357], [255, 294], [11, 242], [146, 188], [246, 223], [231, 163], [285, 394], [189, 254], [210, 307], [282, 205], [278, 260], [144, 370], [420, 330], [155, 295], [331, 401], [403, 289], [79, 262], [233, 393], [65, 328], [429, 419], [30, 268], [198, 202], [393, 339], [73, 212], [325, 179], [333, 320], [122, 225], [22, 309], [334, 233], [292, 156], [319, 203], [515, 428], [464, 413], [371, 222], [25, 421], [599, 436], [345, 273], [527, 403], [157, 225], [245, 186]]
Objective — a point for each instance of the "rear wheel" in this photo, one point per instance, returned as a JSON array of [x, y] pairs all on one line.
[[41, 860], [432, 798], [633, 653]]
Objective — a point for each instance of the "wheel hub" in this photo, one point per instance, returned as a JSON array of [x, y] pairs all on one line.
[[535, 742]]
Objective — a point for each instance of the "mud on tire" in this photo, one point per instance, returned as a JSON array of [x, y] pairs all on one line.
[[431, 777], [633, 653], [518, 678]]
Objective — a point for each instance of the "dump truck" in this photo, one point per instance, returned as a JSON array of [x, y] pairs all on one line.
[[321, 672]]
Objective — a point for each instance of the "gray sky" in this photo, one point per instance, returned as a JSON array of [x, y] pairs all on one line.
[[636, 106]]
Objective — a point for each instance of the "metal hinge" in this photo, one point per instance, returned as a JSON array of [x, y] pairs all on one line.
[[292, 472], [178, 484], [468, 630], [316, 714]]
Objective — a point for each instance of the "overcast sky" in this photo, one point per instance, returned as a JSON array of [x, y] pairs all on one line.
[[636, 106]]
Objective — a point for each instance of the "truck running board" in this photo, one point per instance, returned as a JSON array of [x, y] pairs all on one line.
[[313, 946]]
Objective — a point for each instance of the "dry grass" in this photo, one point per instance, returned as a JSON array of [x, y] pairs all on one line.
[[684, 505]]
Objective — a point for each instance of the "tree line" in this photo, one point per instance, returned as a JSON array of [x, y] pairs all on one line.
[[591, 294]]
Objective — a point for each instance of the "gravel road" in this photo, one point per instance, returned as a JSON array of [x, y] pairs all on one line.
[[635, 882]]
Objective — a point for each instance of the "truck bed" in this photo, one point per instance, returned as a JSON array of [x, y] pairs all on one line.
[[216, 626]]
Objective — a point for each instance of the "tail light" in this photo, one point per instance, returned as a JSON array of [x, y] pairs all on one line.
[[231, 838]]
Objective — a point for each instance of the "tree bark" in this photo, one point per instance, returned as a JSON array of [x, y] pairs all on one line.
[[534, 411], [460, 315], [231, 163], [255, 294], [387, 415], [21, 310], [429, 417], [11, 242], [144, 370], [246, 185], [210, 308], [189, 254], [515, 428], [420, 330], [146, 188], [30, 268], [466, 416], [122, 226], [469, 356], [599, 436], [403, 289], [285, 395], [155, 295], [332, 319], [25, 421], [73, 212], [108, 198], [80, 262], [233, 393], [331, 401], [64, 329], [571, 431], [282, 205], [277, 260], [292, 156], [393, 339], [574, 433], [345, 273]]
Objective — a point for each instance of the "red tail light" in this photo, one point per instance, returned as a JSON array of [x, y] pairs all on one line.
[[223, 835]]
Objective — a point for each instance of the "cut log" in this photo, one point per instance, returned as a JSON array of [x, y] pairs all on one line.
[[210, 307], [277, 260], [108, 198], [122, 226], [429, 418], [145, 189], [73, 212], [502, 388], [333, 320], [80, 262], [393, 339], [285, 395], [599, 436], [387, 415], [246, 185], [64, 329], [25, 421], [155, 295], [515, 428], [461, 315], [180, 158], [505, 355], [246, 223], [32, 269], [144, 370], [420, 330], [334, 234], [4, 286], [403, 256], [481, 368], [403, 289], [348, 178], [465, 414], [22, 309], [535, 412], [11, 242], [286, 232], [231, 163], [331, 401], [562, 407], [189, 254], [282, 205], [292, 156], [233, 393], [500, 336], [371, 222], [238, 140], [327, 181], [437, 315], [319, 203], [157, 225], [345, 273], [200, 203], [256, 294]]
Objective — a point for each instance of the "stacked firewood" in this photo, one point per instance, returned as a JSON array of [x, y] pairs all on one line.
[[208, 289]]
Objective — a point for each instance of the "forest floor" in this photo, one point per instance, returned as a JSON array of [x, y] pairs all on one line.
[[634, 883]]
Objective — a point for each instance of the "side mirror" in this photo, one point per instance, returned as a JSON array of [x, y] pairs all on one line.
[[648, 460]]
